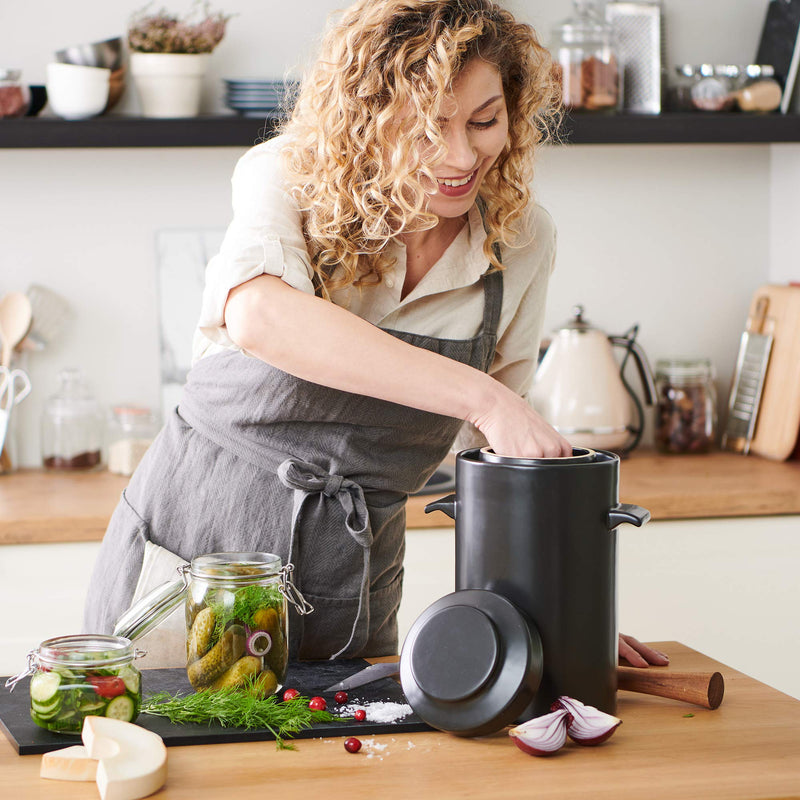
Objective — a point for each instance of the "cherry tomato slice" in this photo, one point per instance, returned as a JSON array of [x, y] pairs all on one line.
[[107, 685]]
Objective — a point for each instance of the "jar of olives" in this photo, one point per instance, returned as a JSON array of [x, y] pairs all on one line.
[[73, 677], [236, 607], [686, 420]]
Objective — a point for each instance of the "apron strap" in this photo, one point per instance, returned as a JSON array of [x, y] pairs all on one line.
[[306, 479]]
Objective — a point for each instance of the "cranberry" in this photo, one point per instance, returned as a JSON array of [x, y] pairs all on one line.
[[317, 704], [290, 694], [352, 745], [340, 697], [360, 715]]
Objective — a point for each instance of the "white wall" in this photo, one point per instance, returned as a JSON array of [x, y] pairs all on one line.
[[675, 238]]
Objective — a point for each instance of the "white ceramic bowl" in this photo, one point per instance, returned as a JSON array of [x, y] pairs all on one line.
[[75, 91]]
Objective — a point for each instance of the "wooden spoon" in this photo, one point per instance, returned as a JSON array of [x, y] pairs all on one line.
[[16, 318]]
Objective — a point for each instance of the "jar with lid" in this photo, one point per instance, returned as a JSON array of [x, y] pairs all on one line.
[[687, 406], [15, 97], [72, 425], [589, 68], [237, 629], [73, 677], [130, 431]]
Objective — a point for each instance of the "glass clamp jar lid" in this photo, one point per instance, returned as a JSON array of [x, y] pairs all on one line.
[[232, 569]]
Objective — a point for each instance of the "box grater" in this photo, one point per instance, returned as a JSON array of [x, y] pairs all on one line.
[[748, 381], [640, 43]]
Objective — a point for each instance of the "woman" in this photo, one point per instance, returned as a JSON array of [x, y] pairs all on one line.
[[377, 299]]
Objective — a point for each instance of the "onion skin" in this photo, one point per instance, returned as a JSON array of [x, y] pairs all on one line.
[[588, 726], [543, 735]]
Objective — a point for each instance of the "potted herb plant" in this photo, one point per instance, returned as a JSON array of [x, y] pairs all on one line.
[[169, 57]]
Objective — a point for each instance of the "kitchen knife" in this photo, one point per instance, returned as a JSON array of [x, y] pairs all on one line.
[[367, 675], [699, 688]]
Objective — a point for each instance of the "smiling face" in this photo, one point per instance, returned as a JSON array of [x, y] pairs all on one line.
[[475, 131]]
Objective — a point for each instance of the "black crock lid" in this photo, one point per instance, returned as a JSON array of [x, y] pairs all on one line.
[[471, 663]]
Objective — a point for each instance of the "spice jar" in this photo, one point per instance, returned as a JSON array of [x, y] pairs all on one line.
[[73, 677], [72, 425], [15, 98], [237, 630], [130, 431], [588, 65], [687, 406]]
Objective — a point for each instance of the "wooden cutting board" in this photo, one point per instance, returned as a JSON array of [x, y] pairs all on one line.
[[778, 420]]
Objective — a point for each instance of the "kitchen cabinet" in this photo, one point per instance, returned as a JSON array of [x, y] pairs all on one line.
[[233, 130], [747, 748]]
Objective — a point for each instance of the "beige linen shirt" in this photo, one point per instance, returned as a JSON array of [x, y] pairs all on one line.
[[265, 236]]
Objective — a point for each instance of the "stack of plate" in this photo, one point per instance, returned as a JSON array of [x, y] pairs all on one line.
[[255, 97]]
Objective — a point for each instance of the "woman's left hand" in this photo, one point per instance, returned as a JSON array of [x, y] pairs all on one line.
[[637, 654]]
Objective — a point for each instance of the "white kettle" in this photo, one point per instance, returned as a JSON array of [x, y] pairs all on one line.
[[580, 389]]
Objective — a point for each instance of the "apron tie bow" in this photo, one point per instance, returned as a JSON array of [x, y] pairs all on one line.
[[306, 479]]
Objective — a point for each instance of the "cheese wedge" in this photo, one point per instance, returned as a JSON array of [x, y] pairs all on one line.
[[69, 764], [132, 760]]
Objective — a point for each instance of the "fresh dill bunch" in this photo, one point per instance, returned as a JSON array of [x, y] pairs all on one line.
[[237, 708], [246, 601]]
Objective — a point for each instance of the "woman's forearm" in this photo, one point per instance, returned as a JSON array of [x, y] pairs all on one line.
[[317, 341]]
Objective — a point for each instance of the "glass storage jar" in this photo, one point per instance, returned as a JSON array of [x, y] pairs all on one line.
[[687, 406], [237, 629], [73, 677], [72, 425], [584, 51], [15, 97], [130, 431]]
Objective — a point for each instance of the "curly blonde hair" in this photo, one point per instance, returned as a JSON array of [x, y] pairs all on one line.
[[375, 95]]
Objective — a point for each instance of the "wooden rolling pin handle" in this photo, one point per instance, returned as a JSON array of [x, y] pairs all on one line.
[[700, 688]]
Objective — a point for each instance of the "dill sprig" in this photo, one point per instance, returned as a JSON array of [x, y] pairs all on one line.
[[237, 708], [246, 601]]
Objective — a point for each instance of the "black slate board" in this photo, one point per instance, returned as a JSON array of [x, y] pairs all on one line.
[[309, 677]]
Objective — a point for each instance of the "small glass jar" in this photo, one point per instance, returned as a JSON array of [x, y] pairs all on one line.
[[583, 48], [237, 630], [15, 97], [687, 406], [73, 677], [130, 431], [72, 425]]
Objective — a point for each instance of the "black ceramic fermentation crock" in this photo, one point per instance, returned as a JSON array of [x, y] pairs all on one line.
[[542, 534]]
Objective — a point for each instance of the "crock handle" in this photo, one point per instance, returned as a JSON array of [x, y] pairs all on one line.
[[625, 512], [446, 504]]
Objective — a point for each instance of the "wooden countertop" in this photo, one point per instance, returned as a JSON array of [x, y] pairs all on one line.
[[748, 748], [38, 506]]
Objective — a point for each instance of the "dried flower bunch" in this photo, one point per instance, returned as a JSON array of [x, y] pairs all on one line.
[[200, 31]]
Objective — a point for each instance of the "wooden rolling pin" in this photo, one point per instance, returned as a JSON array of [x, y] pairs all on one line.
[[700, 688]]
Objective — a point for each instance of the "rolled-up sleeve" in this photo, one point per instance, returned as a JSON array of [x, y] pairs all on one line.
[[265, 236], [516, 355]]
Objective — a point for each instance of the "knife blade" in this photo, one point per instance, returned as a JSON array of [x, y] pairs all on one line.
[[374, 672]]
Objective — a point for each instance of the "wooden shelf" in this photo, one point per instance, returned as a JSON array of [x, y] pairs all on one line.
[[235, 131]]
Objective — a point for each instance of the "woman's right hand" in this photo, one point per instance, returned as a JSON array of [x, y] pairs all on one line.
[[513, 428]]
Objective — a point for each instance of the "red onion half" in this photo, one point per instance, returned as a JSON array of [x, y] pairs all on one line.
[[543, 735]]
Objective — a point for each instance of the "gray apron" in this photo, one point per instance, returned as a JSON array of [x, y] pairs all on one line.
[[255, 459]]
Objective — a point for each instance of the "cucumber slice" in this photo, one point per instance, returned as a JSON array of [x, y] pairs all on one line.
[[50, 705], [65, 673], [44, 686], [90, 705], [44, 712], [121, 708], [131, 678]]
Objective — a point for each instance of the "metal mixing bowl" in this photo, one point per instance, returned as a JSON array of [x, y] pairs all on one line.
[[106, 54]]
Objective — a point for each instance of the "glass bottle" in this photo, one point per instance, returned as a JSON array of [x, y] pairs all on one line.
[[72, 425], [15, 97], [237, 628], [75, 676], [584, 50], [131, 430], [686, 420]]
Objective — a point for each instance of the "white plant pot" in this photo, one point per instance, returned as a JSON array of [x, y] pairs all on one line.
[[169, 84]]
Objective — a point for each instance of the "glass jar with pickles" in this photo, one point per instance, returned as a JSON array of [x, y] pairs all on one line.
[[237, 629], [73, 677]]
